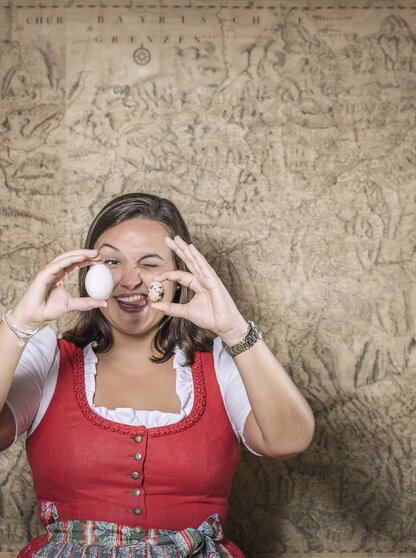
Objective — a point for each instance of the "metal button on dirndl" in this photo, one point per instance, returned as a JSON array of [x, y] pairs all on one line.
[[135, 475], [137, 511], [138, 529], [138, 438], [137, 456], [136, 492]]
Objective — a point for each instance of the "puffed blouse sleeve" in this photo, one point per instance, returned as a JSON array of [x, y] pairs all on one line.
[[232, 389], [25, 394]]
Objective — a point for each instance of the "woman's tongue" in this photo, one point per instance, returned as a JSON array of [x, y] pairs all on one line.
[[132, 304]]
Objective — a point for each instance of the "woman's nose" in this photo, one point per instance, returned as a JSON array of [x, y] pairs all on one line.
[[131, 278]]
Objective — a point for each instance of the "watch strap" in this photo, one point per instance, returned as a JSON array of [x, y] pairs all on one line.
[[253, 335]]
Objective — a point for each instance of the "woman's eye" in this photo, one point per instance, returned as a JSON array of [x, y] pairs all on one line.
[[111, 262], [150, 265]]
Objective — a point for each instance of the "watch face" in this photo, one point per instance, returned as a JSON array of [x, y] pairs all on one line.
[[254, 329]]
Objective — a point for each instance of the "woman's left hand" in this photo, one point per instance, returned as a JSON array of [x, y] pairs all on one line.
[[280, 422], [211, 307]]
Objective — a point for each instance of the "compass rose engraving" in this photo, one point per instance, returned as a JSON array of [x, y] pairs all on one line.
[[142, 55]]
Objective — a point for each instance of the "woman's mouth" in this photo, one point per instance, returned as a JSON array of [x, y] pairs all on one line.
[[132, 303]]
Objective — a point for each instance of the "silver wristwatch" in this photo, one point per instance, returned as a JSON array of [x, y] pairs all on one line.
[[253, 335]]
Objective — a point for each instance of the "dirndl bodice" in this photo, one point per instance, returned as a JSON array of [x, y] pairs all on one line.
[[171, 478]]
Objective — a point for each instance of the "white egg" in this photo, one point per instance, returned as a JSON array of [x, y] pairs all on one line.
[[99, 282]]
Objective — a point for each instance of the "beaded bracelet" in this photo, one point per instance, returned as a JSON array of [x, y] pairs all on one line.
[[22, 334]]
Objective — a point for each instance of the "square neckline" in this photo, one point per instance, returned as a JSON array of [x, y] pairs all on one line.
[[196, 413]]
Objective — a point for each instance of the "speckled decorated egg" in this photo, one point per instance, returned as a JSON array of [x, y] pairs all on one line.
[[156, 291]]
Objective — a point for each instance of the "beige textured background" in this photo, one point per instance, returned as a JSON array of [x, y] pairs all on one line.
[[285, 132]]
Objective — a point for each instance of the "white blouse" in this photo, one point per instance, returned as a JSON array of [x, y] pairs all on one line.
[[36, 375]]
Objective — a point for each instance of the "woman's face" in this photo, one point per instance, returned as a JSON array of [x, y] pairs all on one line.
[[135, 252]]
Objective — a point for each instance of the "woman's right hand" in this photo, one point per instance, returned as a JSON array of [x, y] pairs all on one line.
[[46, 299]]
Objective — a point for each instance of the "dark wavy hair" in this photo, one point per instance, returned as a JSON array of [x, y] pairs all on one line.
[[93, 326]]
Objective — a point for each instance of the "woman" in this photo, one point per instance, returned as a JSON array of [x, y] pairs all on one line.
[[133, 417]]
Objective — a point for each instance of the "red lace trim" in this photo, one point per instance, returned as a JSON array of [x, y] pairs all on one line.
[[198, 408]]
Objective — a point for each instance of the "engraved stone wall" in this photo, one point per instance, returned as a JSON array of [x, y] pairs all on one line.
[[285, 132]]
